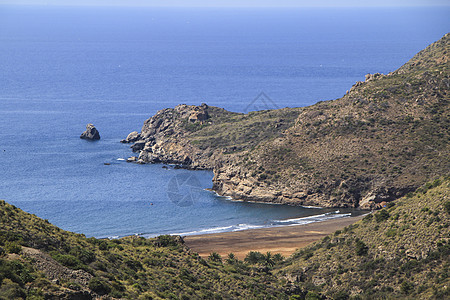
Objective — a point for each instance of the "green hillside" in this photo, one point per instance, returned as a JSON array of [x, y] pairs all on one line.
[[41, 261], [402, 251]]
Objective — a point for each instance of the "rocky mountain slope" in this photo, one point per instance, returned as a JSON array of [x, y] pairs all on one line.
[[399, 252], [384, 138]]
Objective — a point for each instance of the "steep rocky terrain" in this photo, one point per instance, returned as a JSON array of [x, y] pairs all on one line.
[[399, 252], [384, 138]]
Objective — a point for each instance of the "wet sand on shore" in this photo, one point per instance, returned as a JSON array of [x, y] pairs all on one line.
[[284, 240]]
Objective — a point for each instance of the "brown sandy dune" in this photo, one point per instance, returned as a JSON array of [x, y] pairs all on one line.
[[284, 240]]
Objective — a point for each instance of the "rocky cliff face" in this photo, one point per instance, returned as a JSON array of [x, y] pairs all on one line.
[[165, 136], [384, 138]]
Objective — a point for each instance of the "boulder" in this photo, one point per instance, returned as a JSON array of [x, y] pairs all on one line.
[[138, 146], [91, 133], [132, 159], [198, 116], [370, 77], [132, 137]]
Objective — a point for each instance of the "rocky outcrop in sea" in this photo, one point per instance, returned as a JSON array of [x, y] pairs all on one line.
[[91, 133]]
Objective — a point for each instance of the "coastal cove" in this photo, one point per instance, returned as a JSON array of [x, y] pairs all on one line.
[[138, 212], [181, 150], [52, 89]]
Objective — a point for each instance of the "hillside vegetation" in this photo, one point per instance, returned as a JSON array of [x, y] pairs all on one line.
[[402, 251], [41, 261]]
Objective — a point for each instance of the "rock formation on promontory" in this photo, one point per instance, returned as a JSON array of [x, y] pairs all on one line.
[[91, 133], [384, 138]]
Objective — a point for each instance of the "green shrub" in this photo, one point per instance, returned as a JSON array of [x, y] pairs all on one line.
[[360, 247], [231, 259], [67, 260], [187, 276], [368, 218], [410, 195], [214, 256], [312, 296], [134, 265], [341, 295], [15, 271], [436, 183], [447, 207], [165, 241], [254, 257], [83, 255], [11, 290], [13, 247], [406, 287], [382, 215], [391, 232], [277, 257], [99, 286], [103, 245], [268, 260]]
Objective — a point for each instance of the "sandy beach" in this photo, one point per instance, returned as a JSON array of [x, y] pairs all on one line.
[[284, 240]]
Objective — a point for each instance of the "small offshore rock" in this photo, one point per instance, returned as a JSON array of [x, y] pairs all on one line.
[[91, 133]]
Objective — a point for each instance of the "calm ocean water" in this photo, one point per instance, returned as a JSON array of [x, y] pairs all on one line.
[[61, 68]]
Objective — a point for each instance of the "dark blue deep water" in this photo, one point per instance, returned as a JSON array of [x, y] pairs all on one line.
[[63, 67]]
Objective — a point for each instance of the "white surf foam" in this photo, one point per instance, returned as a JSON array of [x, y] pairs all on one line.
[[315, 218]]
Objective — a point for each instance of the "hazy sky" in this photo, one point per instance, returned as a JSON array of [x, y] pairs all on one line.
[[234, 3]]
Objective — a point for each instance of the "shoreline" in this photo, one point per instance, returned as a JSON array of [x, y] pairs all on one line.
[[283, 239]]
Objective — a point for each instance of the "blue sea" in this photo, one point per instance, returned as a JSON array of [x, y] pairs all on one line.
[[64, 67]]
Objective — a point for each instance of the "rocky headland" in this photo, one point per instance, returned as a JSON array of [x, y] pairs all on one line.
[[385, 137]]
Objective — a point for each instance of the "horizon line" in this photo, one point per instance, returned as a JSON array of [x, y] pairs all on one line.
[[224, 6], [232, 4]]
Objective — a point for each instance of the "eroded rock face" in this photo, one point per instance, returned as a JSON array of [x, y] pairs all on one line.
[[162, 138], [91, 133], [361, 150]]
